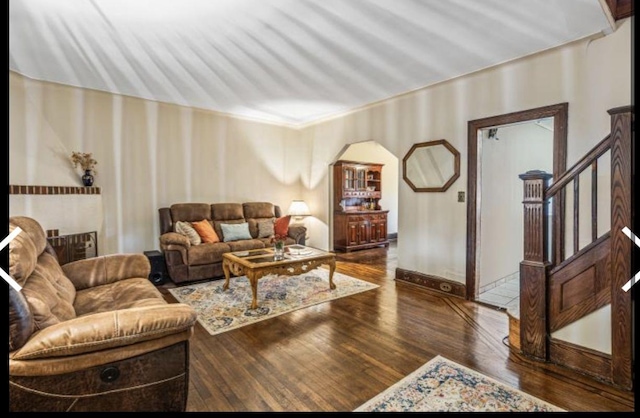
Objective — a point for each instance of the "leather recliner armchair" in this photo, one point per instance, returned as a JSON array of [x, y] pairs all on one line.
[[92, 335]]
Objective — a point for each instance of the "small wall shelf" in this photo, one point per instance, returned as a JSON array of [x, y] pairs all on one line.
[[52, 190]]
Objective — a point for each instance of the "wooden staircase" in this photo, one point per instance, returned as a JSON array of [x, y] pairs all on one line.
[[555, 290]]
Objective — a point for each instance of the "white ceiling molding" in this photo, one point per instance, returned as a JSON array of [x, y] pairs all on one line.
[[282, 61], [610, 18]]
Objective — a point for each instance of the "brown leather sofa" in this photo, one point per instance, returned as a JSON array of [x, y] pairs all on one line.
[[187, 263], [92, 335]]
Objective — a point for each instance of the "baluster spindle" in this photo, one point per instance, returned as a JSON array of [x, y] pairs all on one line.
[[594, 200], [576, 213]]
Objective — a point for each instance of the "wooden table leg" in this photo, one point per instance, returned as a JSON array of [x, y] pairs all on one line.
[[332, 268], [227, 274], [253, 279]]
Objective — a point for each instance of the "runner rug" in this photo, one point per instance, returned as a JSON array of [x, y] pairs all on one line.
[[444, 386], [223, 310]]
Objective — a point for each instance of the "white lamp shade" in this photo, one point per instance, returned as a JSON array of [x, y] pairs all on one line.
[[299, 209]]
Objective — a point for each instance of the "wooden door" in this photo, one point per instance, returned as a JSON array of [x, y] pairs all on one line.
[[353, 233], [378, 230], [365, 232], [382, 229]]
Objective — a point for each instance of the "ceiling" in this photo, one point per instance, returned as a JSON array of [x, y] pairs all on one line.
[[282, 61]]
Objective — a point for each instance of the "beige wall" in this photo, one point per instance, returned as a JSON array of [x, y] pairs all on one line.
[[591, 75], [149, 155], [153, 154]]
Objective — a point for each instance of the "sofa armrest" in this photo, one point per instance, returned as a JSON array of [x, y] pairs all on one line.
[[298, 233], [172, 241], [106, 269], [106, 330], [173, 238]]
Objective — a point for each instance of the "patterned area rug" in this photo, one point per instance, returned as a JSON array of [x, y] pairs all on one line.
[[444, 386], [220, 311]]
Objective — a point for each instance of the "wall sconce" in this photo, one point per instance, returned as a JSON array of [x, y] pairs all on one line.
[[298, 210]]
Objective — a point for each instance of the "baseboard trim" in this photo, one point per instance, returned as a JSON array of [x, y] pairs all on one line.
[[436, 283], [392, 236], [583, 359]]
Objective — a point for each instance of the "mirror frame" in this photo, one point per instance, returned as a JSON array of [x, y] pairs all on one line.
[[448, 183]]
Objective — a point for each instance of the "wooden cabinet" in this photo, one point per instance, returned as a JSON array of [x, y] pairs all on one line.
[[359, 221], [356, 185], [379, 228], [359, 230]]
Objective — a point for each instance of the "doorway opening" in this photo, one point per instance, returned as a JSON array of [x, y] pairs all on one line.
[[507, 152], [487, 201], [372, 152]]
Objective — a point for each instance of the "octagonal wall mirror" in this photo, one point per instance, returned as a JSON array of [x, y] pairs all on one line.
[[431, 166]]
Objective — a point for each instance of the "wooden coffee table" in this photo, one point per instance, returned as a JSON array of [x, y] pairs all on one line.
[[256, 264]]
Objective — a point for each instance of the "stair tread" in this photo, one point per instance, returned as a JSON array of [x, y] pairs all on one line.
[[514, 311]]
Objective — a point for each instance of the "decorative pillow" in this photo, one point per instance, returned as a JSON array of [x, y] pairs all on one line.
[[205, 230], [265, 228], [187, 230], [235, 232], [281, 226]]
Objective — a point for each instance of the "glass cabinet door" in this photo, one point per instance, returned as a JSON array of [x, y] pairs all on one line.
[[349, 178], [361, 182]]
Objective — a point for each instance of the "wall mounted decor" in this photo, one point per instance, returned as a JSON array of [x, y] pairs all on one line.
[[431, 166]]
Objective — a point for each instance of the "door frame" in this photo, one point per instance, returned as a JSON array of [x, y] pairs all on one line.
[[560, 113]]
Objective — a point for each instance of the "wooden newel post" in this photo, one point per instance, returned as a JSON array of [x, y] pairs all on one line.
[[533, 276], [622, 210]]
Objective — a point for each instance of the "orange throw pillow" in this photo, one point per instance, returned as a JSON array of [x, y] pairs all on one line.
[[281, 226], [205, 230]]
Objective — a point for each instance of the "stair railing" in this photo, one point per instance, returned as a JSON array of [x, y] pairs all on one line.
[[539, 258]]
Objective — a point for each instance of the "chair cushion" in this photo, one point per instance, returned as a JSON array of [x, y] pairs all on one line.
[[207, 253], [226, 211], [247, 244], [49, 293], [281, 227], [123, 294], [235, 232], [185, 228], [206, 232], [33, 229], [265, 228], [190, 212], [25, 248], [21, 324], [258, 210], [47, 290]]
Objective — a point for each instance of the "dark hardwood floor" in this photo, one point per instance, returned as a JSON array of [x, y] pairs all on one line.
[[337, 355]]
